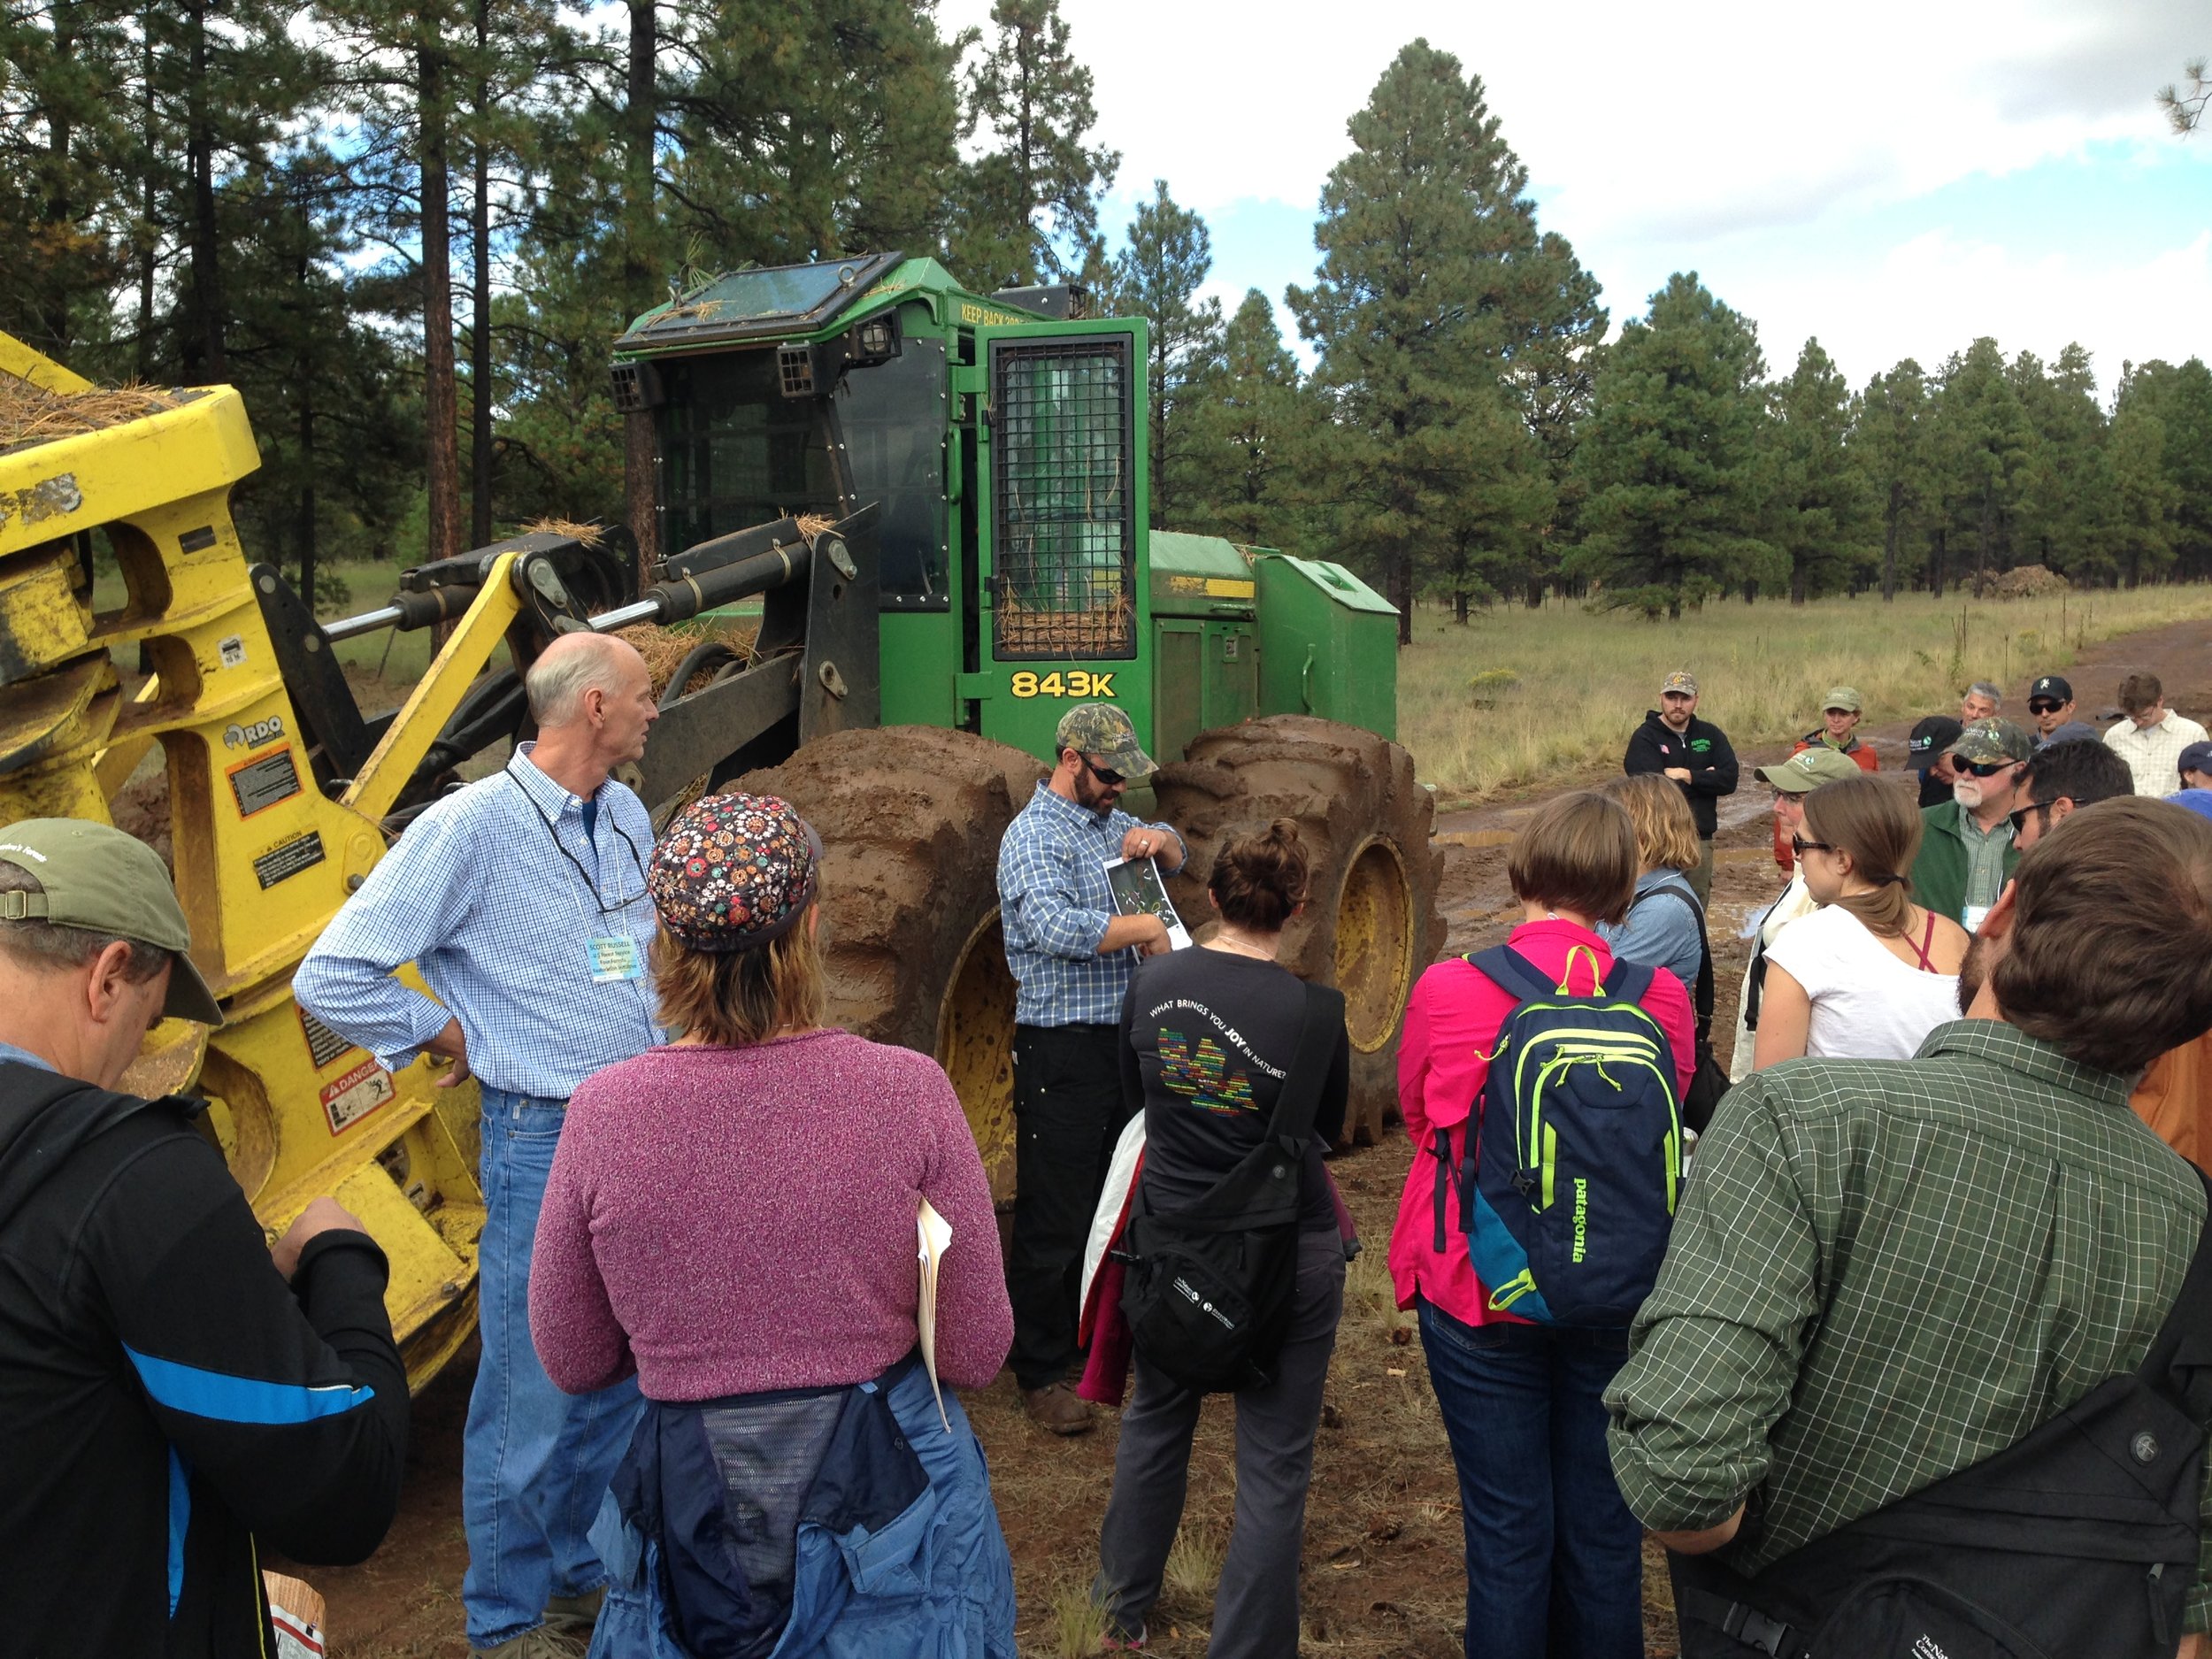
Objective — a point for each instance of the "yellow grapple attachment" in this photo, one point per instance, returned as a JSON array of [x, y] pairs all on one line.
[[262, 857]]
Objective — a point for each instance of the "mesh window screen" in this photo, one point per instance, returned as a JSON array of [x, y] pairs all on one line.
[[1062, 520]]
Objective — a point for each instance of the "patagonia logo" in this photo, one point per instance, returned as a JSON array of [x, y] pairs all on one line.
[[1582, 1217]]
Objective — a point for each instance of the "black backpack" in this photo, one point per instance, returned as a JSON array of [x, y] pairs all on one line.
[[1710, 1081], [1210, 1286], [2076, 1541]]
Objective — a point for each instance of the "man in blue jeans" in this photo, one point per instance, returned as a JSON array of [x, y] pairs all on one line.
[[521, 901]]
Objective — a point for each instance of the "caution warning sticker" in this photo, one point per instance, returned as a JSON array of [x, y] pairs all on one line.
[[353, 1098]]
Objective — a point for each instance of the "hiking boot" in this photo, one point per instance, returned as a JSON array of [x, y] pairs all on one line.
[[574, 1614], [545, 1642], [1057, 1408]]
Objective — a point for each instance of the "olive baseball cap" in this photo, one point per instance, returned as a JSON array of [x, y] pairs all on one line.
[[1681, 681], [98, 879], [1841, 697], [1985, 741], [1103, 732], [1807, 769]]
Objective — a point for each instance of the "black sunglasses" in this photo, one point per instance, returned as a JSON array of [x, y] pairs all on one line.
[[1981, 768], [2045, 706], [2018, 819], [1799, 846], [1106, 775]]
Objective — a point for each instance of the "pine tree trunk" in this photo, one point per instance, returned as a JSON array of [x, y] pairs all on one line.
[[52, 304], [205, 358], [1400, 578], [1890, 521], [1797, 584], [1936, 571], [1751, 590], [640, 457], [480, 319], [441, 402], [1459, 606], [1981, 541], [144, 354], [1534, 597], [303, 509]]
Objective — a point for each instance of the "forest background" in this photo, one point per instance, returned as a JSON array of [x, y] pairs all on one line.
[[410, 233]]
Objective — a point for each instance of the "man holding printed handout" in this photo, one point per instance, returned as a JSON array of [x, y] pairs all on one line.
[[1071, 952]]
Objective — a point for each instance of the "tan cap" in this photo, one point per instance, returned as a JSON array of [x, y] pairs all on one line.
[[1807, 769], [1841, 697], [96, 877]]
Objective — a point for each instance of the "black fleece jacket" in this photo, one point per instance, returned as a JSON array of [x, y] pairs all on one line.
[[165, 1397], [1654, 746]]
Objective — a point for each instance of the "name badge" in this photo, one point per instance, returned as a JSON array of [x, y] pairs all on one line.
[[612, 959], [1972, 916]]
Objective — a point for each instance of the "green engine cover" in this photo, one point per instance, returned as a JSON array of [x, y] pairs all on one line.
[[1328, 644]]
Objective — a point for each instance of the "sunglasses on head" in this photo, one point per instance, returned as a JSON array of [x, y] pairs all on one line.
[[1981, 768], [2045, 706]]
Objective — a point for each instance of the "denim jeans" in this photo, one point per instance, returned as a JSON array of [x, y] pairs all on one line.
[[535, 1462], [1555, 1562]]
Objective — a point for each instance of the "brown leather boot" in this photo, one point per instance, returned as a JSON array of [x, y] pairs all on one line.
[[1057, 1408]]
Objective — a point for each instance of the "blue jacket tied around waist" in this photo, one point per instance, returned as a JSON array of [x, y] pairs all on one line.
[[840, 1523]]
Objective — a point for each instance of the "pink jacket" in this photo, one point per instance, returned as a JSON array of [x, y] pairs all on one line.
[[1451, 1029], [724, 1221]]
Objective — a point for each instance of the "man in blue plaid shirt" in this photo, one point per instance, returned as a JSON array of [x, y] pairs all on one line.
[[1071, 955], [521, 902]]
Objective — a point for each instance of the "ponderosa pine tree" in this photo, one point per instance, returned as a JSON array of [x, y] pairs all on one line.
[[2065, 508], [1819, 515], [2181, 397], [1157, 277], [1428, 254], [1551, 371], [1249, 429], [1982, 446], [1669, 457], [1027, 210], [2145, 499], [1889, 441]]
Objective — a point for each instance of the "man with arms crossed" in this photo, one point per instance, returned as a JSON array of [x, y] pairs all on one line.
[[1696, 754], [173, 1391], [521, 900], [1070, 955], [1886, 1271]]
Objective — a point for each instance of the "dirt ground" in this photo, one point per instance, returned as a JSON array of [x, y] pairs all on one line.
[[1384, 1573]]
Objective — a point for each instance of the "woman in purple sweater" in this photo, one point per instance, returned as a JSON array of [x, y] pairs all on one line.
[[732, 1218]]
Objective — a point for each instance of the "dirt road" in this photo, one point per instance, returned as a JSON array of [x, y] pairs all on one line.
[[1384, 1570]]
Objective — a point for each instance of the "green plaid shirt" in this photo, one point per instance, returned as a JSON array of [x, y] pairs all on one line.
[[1883, 1272]]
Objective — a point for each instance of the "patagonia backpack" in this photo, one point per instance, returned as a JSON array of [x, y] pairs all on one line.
[[1571, 1175]]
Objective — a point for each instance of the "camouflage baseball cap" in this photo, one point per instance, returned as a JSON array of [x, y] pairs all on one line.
[[1681, 681], [1844, 697], [96, 877], [1104, 732], [1985, 741], [1807, 769]]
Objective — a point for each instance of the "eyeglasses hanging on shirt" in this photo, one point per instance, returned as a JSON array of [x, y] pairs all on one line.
[[636, 857]]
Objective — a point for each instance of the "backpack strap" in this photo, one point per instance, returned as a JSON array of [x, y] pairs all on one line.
[[1704, 989], [1512, 972], [2179, 1364], [1292, 1125]]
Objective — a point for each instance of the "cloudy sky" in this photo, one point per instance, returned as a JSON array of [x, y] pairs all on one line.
[[1895, 178]]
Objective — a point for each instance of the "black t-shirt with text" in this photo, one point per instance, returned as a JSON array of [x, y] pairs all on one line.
[[1207, 1039]]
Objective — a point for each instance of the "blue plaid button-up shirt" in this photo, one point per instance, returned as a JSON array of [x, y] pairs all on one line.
[[495, 895], [1054, 903]]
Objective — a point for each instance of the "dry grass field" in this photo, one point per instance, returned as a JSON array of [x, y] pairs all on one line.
[[1520, 698]]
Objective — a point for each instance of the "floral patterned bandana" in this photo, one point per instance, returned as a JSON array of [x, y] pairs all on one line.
[[733, 871]]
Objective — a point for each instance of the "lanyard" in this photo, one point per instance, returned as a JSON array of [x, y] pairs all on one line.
[[585, 875]]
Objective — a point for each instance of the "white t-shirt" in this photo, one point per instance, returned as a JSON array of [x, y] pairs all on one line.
[[1867, 1005]]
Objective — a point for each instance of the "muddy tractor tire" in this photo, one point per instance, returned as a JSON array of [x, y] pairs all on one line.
[[1371, 924], [910, 818]]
